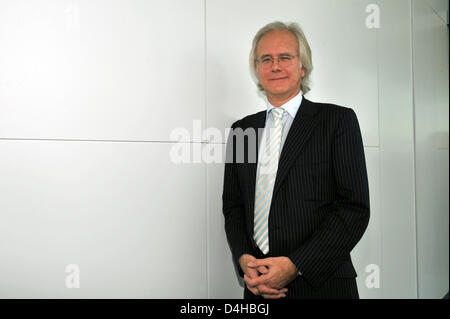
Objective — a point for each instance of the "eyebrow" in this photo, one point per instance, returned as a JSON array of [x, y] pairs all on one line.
[[269, 55]]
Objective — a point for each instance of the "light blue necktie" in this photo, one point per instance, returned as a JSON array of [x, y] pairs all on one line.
[[266, 180]]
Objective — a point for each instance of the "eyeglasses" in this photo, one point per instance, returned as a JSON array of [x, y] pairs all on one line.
[[284, 61]]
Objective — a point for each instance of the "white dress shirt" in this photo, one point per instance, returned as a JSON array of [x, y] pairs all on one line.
[[290, 110]]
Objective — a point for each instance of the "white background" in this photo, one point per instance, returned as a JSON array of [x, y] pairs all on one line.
[[90, 92]]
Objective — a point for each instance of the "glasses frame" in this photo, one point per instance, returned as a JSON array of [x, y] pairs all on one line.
[[279, 62]]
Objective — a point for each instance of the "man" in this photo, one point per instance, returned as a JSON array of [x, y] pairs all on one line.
[[293, 217]]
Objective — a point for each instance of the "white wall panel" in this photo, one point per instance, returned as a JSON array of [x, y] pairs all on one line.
[[440, 8], [431, 106], [132, 221], [398, 226], [367, 255], [224, 282], [343, 48], [100, 69]]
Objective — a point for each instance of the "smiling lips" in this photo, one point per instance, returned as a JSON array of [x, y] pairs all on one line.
[[277, 79]]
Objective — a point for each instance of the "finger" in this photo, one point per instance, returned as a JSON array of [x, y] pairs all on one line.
[[254, 291], [248, 281], [273, 296], [280, 291], [261, 280], [260, 262], [262, 270], [252, 273], [263, 289]]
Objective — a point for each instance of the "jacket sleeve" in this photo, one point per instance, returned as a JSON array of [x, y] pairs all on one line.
[[329, 247], [233, 206]]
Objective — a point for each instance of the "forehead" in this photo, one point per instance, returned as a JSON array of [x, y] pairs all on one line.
[[276, 42]]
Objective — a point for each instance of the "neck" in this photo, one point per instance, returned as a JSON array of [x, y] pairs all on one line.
[[279, 100]]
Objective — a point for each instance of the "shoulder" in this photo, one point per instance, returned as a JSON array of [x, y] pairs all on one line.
[[331, 113], [250, 120], [330, 109]]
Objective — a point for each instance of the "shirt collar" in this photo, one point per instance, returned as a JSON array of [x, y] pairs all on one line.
[[290, 106]]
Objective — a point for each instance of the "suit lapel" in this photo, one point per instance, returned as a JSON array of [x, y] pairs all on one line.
[[303, 125]]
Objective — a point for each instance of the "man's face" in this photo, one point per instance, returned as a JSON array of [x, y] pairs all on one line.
[[279, 83]]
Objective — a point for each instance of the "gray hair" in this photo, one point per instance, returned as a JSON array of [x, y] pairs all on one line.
[[305, 56]]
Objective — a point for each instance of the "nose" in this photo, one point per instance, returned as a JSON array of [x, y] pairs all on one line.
[[276, 65]]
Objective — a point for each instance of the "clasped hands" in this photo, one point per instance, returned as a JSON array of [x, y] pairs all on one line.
[[268, 277]]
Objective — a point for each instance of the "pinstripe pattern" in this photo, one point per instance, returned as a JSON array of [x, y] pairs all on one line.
[[266, 181], [320, 203]]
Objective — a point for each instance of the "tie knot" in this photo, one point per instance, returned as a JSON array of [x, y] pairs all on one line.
[[277, 113]]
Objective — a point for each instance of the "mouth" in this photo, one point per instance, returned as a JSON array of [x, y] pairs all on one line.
[[278, 79]]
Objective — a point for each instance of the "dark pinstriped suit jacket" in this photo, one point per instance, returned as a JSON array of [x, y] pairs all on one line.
[[320, 203]]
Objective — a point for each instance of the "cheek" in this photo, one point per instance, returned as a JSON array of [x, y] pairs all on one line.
[[263, 77], [297, 76]]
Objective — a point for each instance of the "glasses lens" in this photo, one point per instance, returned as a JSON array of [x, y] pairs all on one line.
[[266, 62], [283, 61]]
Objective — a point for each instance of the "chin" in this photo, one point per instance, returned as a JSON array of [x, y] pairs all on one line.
[[277, 90]]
